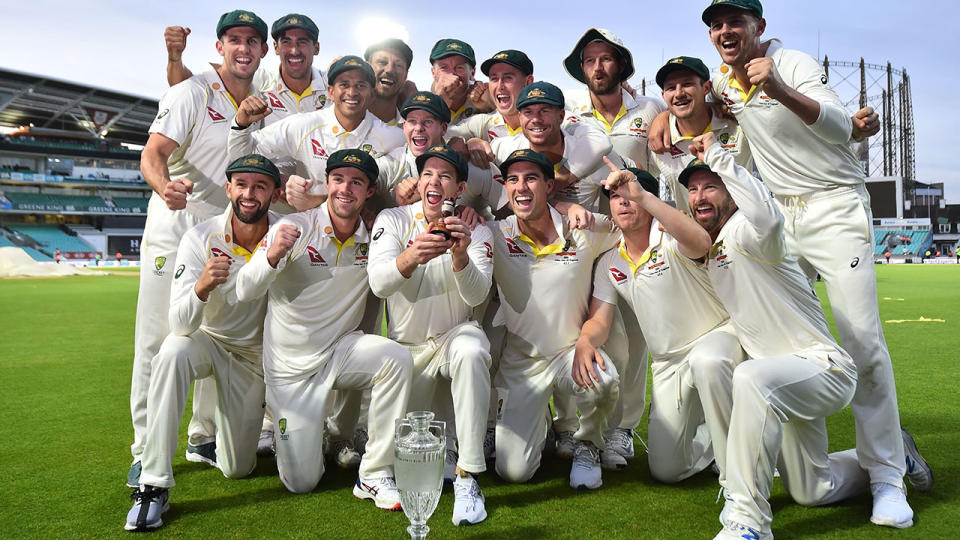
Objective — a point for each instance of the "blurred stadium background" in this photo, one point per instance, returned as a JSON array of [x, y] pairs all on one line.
[[70, 178]]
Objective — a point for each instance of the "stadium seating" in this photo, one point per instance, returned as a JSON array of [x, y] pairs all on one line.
[[36, 255], [131, 202], [912, 242], [52, 238], [5, 242]]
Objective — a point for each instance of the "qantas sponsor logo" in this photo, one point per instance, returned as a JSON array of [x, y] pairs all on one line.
[[619, 276], [214, 115], [513, 248], [318, 150], [315, 258], [217, 252], [275, 102], [489, 249]]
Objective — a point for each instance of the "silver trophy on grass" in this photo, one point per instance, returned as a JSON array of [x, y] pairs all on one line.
[[418, 467]]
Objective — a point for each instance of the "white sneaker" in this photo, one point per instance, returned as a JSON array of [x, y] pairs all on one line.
[[739, 531], [620, 441], [727, 506], [344, 454], [585, 471], [382, 491], [490, 444], [450, 466], [611, 460], [919, 473], [149, 504], [265, 444], [565, 444], [468, 507], [890, 507]]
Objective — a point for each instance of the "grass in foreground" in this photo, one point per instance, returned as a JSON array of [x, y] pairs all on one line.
[[64, 388]]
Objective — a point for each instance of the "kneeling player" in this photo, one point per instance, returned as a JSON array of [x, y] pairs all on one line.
[[693, 344], [543, 270], [213, 332], [314, 271], [431, 283]]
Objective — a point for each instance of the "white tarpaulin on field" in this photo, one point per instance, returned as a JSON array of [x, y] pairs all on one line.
[[14, 262]]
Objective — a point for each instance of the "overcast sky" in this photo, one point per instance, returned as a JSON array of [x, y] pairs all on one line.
[[119, 45]]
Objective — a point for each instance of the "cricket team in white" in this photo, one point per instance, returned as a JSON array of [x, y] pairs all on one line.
[[520, 247]]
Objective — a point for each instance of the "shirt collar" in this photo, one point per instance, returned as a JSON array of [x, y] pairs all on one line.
[[326, 227], [675, 135]]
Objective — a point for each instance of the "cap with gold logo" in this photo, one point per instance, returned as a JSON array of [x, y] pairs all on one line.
[[429, 102], [392, 44], [529, 156], [254, 163], [294, 20], [511, 57], [447, 154], [240, 17], [356, 158], [753, 6], [540, 92], [449, 47], [347, 63], [680, 63]]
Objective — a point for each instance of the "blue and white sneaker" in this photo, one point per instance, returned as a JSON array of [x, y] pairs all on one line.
[[890, 507], [382, 491], [149, 504], [468, 502], [919, 472], [739, 531], [205, 453]]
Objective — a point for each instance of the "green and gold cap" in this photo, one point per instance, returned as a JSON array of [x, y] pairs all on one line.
[[753, 6], [254, 163], [294, 20], [683, 62], [540, 92], [240, 17], [647, 181], [512, 57], [692, 167], [449, 47], [356, 158], [530, 156], [427, 101], [447, 154], [393, 44], [347, 63]]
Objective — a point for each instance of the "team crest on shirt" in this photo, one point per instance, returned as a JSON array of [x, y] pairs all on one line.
[[158, 265], [717, 253], [315, 258], [568, 254], [513, 249], [275, 102], [360, 254], [318, 151], [637, 126], [283, 429], [618, 276], [321, 101], [657, 264], [215, 116], [368, 148]]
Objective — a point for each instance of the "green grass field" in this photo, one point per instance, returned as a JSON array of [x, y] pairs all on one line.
[[65, 356]]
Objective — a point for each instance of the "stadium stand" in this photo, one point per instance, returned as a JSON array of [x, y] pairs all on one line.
[[51, 237], [901, 241]]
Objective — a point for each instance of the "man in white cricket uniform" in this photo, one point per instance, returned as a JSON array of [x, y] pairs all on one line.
[[693, 344], [508, 71], [212, 333], [602, 62], [543, 270], [183, 161], [799, 133], [431, 286], [796, 376], [313, 269], [390, 60], [310, 138], [685, 82], [453, 65]]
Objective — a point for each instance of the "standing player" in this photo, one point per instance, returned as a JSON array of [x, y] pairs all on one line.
[[685, 82], [799, 134], [211, 333], [453, 65], [431, 284], [296, 87], [543, 270], [183, 161], [311, 138], [314, 270], [693, 344], [797, 374], [390, 60]]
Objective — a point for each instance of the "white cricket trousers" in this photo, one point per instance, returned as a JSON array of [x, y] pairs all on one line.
[[462, 357], [158, 248], [524, 386], [831, 233], [239, 410], [690, 405], [357, 361], [779, 407]]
